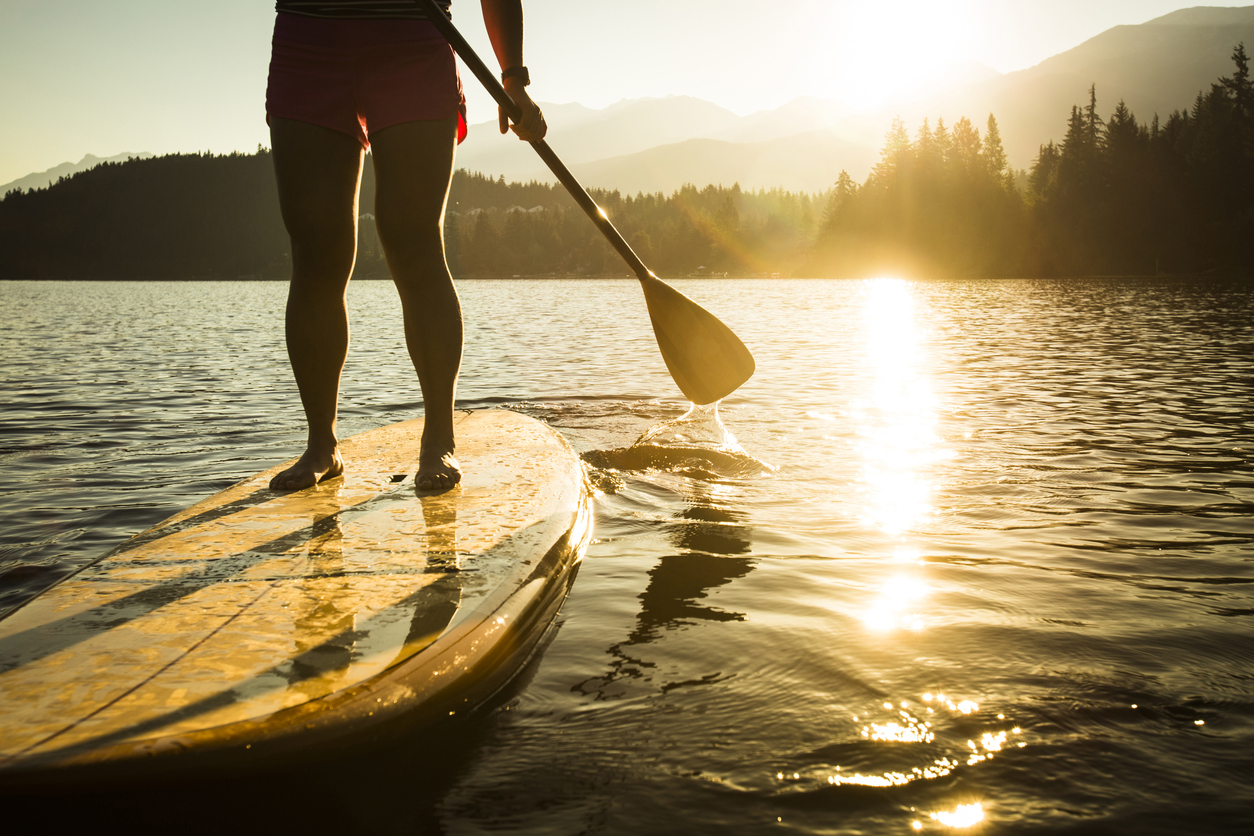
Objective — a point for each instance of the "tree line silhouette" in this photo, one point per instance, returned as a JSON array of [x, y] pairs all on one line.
[[1114, 196], [206, 216], [172, 217], [709, 230]]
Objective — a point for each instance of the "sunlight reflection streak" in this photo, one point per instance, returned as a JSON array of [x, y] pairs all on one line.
[[896, 427], [897, 421], [964, 815]]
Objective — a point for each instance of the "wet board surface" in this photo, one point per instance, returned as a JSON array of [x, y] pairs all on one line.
[[258, 626]]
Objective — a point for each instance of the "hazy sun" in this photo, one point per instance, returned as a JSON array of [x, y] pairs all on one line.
[[873, 52]]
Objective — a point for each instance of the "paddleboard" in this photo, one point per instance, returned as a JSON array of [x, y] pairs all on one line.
[[259, 628]]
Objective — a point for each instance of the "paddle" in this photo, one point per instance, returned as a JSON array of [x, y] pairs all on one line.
[[707, 361]]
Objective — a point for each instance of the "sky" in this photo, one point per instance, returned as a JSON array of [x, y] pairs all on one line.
[[161, 76]]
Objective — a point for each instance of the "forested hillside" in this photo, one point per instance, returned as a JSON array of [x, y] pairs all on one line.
[[1114, 196], [172, 217], [713, 229], [205, 216]]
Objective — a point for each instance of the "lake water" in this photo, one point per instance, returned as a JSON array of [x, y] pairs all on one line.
[[997, 578]]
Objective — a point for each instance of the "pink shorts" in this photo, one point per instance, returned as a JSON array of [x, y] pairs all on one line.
[[356, 76]]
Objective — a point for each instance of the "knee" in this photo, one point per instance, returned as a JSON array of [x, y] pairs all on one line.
[[410, 241], [321, 243]]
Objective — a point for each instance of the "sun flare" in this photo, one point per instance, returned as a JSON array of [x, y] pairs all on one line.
[[875, 52]]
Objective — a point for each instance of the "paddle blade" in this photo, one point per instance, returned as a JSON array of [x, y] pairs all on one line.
[[707, 360]]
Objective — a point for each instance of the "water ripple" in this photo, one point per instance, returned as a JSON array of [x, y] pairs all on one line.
[[1031, 497]]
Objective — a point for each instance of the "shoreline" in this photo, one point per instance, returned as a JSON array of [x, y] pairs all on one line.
[[630, 277]]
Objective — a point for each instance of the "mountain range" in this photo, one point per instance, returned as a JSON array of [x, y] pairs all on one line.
[[1156, 68], [43, 179], [660, 144]]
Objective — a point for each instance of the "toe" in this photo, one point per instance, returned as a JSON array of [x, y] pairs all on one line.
[[291, 480], [436, 481]]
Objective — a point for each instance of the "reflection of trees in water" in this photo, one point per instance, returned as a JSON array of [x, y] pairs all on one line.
[[709, 534]]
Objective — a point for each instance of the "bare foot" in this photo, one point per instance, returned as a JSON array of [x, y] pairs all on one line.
[[438, 470], [311, 468]]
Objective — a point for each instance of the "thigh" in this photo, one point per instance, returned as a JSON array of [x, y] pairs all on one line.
[[413, 165], [318, 171]]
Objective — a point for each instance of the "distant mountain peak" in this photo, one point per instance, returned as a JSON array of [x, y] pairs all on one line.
[[1206, 16], [41, 179], [673, 100]]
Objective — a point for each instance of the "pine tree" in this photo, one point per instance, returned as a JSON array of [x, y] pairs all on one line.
[[1129, 195], [967, 145], [944, 142], [926, 149], [1076, 154], [896, 149], [1122, 131], [1238, 84], [994, 154], [1093, 122], [845, 187], [1241, 90], [1044, 176]]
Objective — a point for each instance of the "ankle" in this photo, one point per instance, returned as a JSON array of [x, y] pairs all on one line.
[[444, 442], [322, 444]]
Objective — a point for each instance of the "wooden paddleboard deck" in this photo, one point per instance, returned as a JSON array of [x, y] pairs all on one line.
[[258, 627]]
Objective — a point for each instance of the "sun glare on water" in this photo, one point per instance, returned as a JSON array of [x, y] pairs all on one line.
[[964, 815], [897, 419], [896, 425], [894, 607]]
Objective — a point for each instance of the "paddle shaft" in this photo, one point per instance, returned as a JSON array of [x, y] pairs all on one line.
[[488, 79], [706, 360]]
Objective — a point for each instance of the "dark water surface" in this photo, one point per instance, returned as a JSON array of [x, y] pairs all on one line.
[[998, 580]]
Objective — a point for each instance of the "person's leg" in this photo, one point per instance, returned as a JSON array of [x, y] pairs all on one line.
[[318, 171], [413, 164]]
